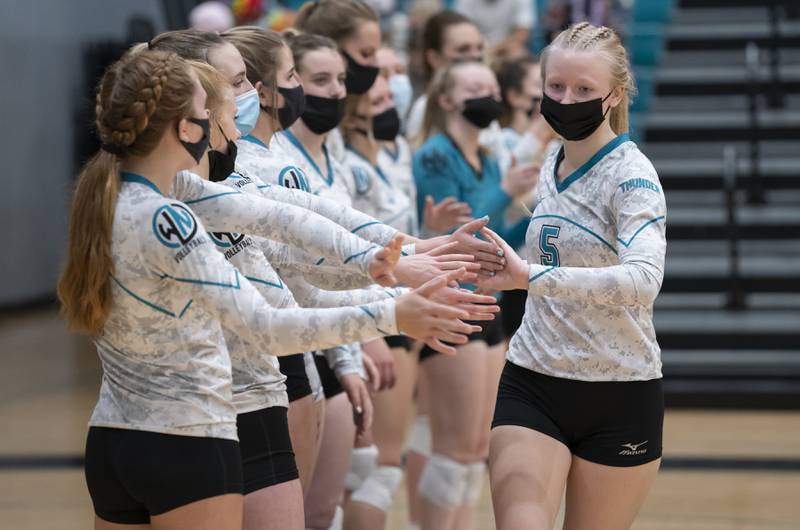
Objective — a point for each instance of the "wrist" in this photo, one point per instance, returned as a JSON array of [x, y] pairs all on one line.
[[521, 277]]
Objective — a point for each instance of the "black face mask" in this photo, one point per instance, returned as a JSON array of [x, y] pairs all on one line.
[[322, 114], [359, 78], [574, 121], [385, 126], [220, 165], [480, 112], [198, 149], [294, 103]]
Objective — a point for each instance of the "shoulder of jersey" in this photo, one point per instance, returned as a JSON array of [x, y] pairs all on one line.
[[166, 221], [432, 155], [242, 178], [636, 171]]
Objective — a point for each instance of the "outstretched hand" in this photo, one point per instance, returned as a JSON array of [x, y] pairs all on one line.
[[420, 317], [449, 213], [480, 307], [382, 267], [487, 253], [415, 270], [513, 276]]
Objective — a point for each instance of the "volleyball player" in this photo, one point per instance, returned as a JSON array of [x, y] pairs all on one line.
[[580, 402]]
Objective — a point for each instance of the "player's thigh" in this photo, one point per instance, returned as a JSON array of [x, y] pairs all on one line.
[[601, 497], [455, 385], [527, 471], [223, 512], [393, 408]]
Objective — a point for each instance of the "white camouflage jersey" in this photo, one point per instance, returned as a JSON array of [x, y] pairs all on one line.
[[320, 237], [278, 255], [374, 194], [166, 367], [257, 380], [396, 165], [596, 243]]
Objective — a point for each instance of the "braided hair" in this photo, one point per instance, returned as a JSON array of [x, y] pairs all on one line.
[[138, 98], [605, 42]]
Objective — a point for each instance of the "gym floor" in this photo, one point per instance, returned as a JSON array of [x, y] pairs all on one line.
[[722, 469]]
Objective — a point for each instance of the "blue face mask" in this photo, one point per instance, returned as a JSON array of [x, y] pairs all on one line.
[[400, 85], [247, 109]]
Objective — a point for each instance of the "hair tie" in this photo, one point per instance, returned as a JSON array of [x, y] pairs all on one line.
[[113, 149]]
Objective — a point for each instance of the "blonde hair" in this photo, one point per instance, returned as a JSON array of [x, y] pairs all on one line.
[[139, 97], [351, 111], [215, 85], [605, 42], [335, 19], [435, 116], [260, 50]]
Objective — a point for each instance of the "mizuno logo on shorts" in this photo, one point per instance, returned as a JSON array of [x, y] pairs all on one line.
[[633, 449]]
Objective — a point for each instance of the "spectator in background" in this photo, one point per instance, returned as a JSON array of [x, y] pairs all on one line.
[[215, 17], [506, 24]]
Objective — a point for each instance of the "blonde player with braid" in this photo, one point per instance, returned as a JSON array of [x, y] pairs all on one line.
[[580, 403]]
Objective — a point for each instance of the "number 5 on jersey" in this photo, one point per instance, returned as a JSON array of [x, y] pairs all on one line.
[[547, 246]]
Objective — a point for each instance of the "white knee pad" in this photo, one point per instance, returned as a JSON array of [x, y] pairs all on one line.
[[379, 488], [475, 479], [317, 392], [338, 519], [419, 439], [363, 463], [444, 481]]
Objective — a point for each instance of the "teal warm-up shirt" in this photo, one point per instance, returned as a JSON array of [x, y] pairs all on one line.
[[441, 171]]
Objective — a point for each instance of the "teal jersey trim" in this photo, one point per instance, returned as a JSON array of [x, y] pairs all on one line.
[[149, 304], [354, 256], [233, 285], [394, 155], [356, 229], [320, 261], [253, 140], [185, 308], [537, 276], [218, 195], [587, 230], [295, 142], [585, 168], [278, 285], [127, 176], [368, 312], [367, 161], [645, 225]]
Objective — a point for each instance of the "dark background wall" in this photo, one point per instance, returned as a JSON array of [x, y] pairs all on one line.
[[43, 81]]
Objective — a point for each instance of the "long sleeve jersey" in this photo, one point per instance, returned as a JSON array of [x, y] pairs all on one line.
[[166, 366], [596, 242]]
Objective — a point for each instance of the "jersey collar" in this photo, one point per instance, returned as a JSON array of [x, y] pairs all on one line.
[[252, 139], [127, 176], [329, 178], [585, 168], [366, 161]]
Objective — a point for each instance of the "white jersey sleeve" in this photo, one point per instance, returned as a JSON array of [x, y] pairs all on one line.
[[225, 210], [308, 295], [222, 290]]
